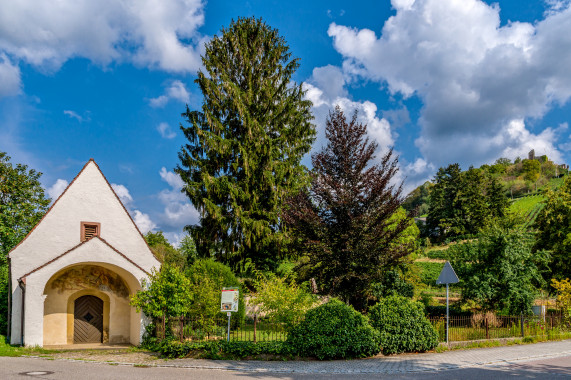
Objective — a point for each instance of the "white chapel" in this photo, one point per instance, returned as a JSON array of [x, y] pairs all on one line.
[[72, 275]]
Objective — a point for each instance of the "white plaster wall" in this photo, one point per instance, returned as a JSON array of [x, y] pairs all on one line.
[[93, 252], [88, 199]]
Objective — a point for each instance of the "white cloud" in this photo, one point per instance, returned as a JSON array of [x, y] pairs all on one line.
[[55, 190], [73, 115], [155, 34], [334, 93], [143, 222], [166, 131], [478, 81], [10, 79], [178, 211], [176, 91], [141, 219], [123, 194]]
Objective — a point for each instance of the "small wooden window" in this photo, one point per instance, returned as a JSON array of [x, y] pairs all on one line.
[[89, 230]]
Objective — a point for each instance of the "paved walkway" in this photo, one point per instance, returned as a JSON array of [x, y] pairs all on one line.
[[429, 362]]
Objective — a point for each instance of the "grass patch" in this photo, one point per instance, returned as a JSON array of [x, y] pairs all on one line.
[[429, 271], [7, 349]]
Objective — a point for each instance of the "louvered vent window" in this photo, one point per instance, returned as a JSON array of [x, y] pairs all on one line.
[[89, 230]]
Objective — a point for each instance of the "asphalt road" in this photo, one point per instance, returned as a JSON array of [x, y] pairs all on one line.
[[29, 368]]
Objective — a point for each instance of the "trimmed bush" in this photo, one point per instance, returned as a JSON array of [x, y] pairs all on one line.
[[334, 331], [218, 349], [402, 326]]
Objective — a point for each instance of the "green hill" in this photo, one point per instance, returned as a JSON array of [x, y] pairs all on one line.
[[529, 206]]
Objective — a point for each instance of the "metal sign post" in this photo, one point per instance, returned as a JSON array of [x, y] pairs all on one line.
[[228, 335], [447, 276]]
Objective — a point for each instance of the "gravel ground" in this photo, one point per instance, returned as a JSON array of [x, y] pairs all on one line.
[[407, 363]]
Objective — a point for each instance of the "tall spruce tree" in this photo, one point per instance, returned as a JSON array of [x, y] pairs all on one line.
[[444, 210], [348, 223], [245, 144]]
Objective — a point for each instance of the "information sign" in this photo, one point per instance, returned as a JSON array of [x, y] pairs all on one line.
[[229, 300]]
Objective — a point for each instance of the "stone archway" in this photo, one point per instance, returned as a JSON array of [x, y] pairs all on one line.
[[89, 303]]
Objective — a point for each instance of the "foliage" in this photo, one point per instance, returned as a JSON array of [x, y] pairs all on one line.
[[393, 283], [429, 271], [167, 294], [443, 204], [416, 201], [402, 326], [22, 205], [207, 278], [220, 349], [499, 271], [463, 202], [164, 251], [554, 229], [244, 146], [282, 301], [187, 249], [563, 288], [348, 222], [531, 170], [334, 331]]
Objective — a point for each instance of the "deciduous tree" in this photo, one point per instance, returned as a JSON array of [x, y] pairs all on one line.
[[22, 204], [244, 146], [347, 222], [554, 229], [500, 271]]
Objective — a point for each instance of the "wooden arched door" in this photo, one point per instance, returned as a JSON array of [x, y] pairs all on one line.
[[88, 320]]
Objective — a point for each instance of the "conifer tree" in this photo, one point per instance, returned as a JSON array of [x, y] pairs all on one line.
[[349, 223], [245, 144]]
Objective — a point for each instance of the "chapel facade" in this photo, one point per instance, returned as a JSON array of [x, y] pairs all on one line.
[[72, 275]]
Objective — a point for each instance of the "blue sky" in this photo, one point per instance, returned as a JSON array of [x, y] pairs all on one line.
[[441, 81]]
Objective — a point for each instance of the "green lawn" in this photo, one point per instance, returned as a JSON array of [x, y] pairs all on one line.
[[9, 350]]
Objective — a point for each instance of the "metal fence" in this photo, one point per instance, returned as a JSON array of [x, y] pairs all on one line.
[[490, 326], [465, 328], [201, 329]]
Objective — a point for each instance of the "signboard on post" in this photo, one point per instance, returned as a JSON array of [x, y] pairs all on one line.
[[229, 300], [447, 276], [229, 304]]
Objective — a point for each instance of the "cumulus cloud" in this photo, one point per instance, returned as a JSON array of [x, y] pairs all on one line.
[[176, 91], [55, 190], [141, 219], [478, 81], [166, 131], [326, 89], [156, 34], [10, 79], [143, 222], [178, 211]]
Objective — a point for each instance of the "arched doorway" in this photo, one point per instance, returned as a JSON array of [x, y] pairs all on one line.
[[88, 320]]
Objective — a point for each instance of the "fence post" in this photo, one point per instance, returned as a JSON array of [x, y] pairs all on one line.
[[487, 330], [164, 328], [181, 330], [255, 323], [521, 323]]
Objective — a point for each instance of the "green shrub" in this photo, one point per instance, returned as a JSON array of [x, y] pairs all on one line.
[[334, 330], [221, 349], [207, 278], [282, 302], [402, 326]]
